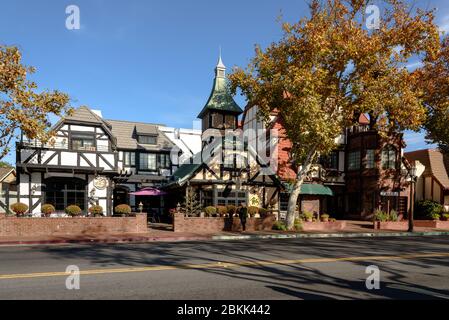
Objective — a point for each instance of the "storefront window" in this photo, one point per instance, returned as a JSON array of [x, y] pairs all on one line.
[[62, 192]]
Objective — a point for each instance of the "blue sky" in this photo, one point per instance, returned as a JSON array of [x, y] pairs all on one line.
[[148, 60]]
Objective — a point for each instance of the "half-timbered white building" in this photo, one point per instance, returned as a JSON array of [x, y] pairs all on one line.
[[95, 161]]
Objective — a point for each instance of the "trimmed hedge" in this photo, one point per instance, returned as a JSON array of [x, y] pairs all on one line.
[[210, 211], [96, 210], [123, 209], [73, 210], [48, 209], [19, 208]]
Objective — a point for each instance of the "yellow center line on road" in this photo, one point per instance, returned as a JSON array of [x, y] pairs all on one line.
[[225, 265]]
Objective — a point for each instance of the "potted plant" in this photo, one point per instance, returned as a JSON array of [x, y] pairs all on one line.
[[232, 210], [445, 217], [210, 211], [123, 210], [434, 216], [380, 216], [96, 211], [308, 216], [73, 211], [19, 208], [393, 216], [222, 211], [325, 217], [252, 211], [47, 210]]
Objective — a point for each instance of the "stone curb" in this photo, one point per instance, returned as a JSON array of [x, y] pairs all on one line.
[[229, 238], [334, 235]]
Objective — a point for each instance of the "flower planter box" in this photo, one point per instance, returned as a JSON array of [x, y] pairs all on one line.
[[323, 226], [29, 227]]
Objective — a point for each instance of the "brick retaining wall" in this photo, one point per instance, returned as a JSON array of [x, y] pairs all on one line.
[[323, 226], [403, 225], [212, 225], [30, 227]]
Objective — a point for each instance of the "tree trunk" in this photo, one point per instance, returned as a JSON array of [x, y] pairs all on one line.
[[293, 200]]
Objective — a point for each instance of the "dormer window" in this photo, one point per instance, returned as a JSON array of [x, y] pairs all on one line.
[[147, 139], [83, 142]]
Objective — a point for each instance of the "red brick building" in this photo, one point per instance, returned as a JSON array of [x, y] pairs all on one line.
[[364, 173]]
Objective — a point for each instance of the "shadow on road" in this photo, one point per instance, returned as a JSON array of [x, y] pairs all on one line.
[[299, 281]]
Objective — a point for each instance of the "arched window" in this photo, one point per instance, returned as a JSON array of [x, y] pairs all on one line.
[[389, 157], [63, 192]]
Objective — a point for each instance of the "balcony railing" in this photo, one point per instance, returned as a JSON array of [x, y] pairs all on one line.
[[62, 146], [359, 129]]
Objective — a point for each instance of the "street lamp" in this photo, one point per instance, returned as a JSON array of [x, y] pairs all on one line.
[[413, 178]]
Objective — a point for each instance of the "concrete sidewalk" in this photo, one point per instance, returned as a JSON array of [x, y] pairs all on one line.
[[160, 234]]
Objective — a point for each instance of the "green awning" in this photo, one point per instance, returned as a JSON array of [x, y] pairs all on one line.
[[185, 172], [316, 189]]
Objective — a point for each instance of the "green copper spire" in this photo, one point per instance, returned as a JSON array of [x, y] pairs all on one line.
[[220, 98]]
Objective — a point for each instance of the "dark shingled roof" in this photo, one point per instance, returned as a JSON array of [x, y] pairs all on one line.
[[126, 133], [86, 115]]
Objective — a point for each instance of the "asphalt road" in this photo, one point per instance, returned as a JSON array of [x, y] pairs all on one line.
[[410, 268]]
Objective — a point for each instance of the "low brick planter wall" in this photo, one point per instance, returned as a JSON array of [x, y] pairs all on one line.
[[30, 227], [391, 225], [323, 226], [403, 225], [211, 225], [432, 224]]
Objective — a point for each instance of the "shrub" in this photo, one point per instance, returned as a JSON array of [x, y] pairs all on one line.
[[47, 209], [231, 210], [445, 217], [19, 208], [222, 211], [263, 212], [210, 211], [73, 210], [434, 216], [308, 216], [96, 210], [381, 216], [298, 225], [279, 225], [394, 216], [325, 217], [252, 211], [123, 209], [425, 208]]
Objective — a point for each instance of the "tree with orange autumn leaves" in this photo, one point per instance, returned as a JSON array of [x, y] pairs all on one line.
[[433, 80], [21, 106], [328, 68]]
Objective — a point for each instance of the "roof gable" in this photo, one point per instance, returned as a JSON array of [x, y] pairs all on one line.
[[436, 164]]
